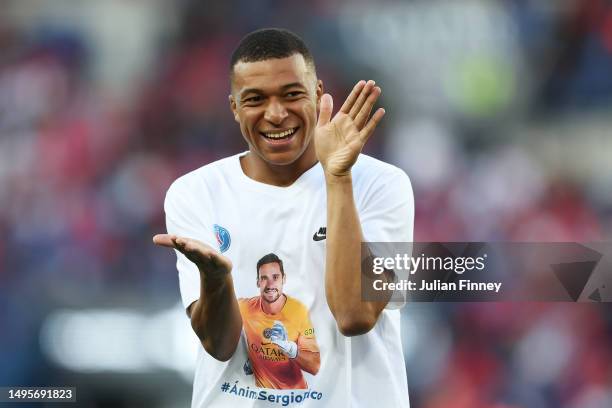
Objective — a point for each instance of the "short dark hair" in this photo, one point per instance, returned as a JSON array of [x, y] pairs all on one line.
[[269, 43], [270, 258]]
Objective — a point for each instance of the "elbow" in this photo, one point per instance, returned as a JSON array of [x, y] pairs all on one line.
[[222, 357], [314, 367], [351, 326], [313, 370], [219, 348], [218, 353]]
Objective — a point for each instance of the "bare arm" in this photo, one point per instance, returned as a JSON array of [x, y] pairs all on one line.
[[343, 264], [308, 357], [215, 317], [338, 143]]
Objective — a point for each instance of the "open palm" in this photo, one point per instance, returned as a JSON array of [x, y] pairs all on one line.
[[207, 259], [339, 141]]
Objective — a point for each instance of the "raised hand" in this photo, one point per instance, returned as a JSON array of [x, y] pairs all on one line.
[[339, 141], [208, 260], [279, 337], [278, 331]]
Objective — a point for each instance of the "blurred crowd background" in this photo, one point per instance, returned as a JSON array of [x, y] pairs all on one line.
[[499, 111]]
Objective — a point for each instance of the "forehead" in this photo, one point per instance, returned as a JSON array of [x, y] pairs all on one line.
[[269, 268], [271, 74]]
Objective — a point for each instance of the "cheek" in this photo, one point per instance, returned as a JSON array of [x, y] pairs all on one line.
[[247, 122], [248, 134], [309, 112]]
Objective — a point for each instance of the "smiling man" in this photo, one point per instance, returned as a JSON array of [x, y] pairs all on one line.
[[280, 134], [303, 174]]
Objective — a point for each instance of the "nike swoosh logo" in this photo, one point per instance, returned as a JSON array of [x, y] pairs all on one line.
[[320, 235]]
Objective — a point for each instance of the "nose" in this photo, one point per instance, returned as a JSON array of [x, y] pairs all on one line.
[[275, 112]]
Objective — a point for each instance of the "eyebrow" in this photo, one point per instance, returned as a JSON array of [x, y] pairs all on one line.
[[283, 88]]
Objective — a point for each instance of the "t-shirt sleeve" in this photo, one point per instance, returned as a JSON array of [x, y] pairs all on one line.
[[183, 219], [387, 216], [307, 340], [243, 306]]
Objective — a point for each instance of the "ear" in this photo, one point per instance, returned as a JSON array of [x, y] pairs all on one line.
[[320, 91], [233, 107], [257, 281]]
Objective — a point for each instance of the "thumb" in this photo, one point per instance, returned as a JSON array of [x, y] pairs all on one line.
[[325, 110]]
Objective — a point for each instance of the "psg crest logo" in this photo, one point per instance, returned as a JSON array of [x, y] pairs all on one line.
[[223, 238], [267, 333]]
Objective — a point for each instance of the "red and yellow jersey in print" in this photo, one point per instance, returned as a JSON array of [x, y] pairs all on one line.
[[272, 368]]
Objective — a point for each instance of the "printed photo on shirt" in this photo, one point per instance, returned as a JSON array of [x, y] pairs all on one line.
[[280, 336]]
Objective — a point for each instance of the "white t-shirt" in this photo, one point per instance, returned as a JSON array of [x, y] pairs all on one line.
[[245, 219]]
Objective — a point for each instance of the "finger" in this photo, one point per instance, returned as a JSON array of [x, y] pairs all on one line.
[[184, 244], [179, 243], [193, 250], [325, 111], [195, 247], [187, 247], [367, 131], [366, 109], [365, 92], [350, 100], [165, 240], [205, 254]]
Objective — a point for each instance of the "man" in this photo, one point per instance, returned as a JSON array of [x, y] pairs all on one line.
[[304, 188], [279, 335]]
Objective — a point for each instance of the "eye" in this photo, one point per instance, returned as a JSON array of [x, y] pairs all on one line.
[[294, 94], [253, 99]]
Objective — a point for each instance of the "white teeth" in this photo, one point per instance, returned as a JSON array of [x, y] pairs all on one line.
[[280, 135]]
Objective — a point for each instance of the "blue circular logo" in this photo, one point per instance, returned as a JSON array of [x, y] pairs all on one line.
[[223, 238], [267, 332]]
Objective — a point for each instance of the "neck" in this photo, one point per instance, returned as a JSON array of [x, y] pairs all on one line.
[[281, 175], [274, 307]]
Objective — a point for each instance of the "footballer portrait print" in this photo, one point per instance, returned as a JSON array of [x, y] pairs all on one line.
[[279, 334]]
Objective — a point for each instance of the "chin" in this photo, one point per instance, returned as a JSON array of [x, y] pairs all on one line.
[[281, 162], [271, 300], [281, 159]]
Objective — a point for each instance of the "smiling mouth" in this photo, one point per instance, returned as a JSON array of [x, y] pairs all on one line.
[[285, 134]]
